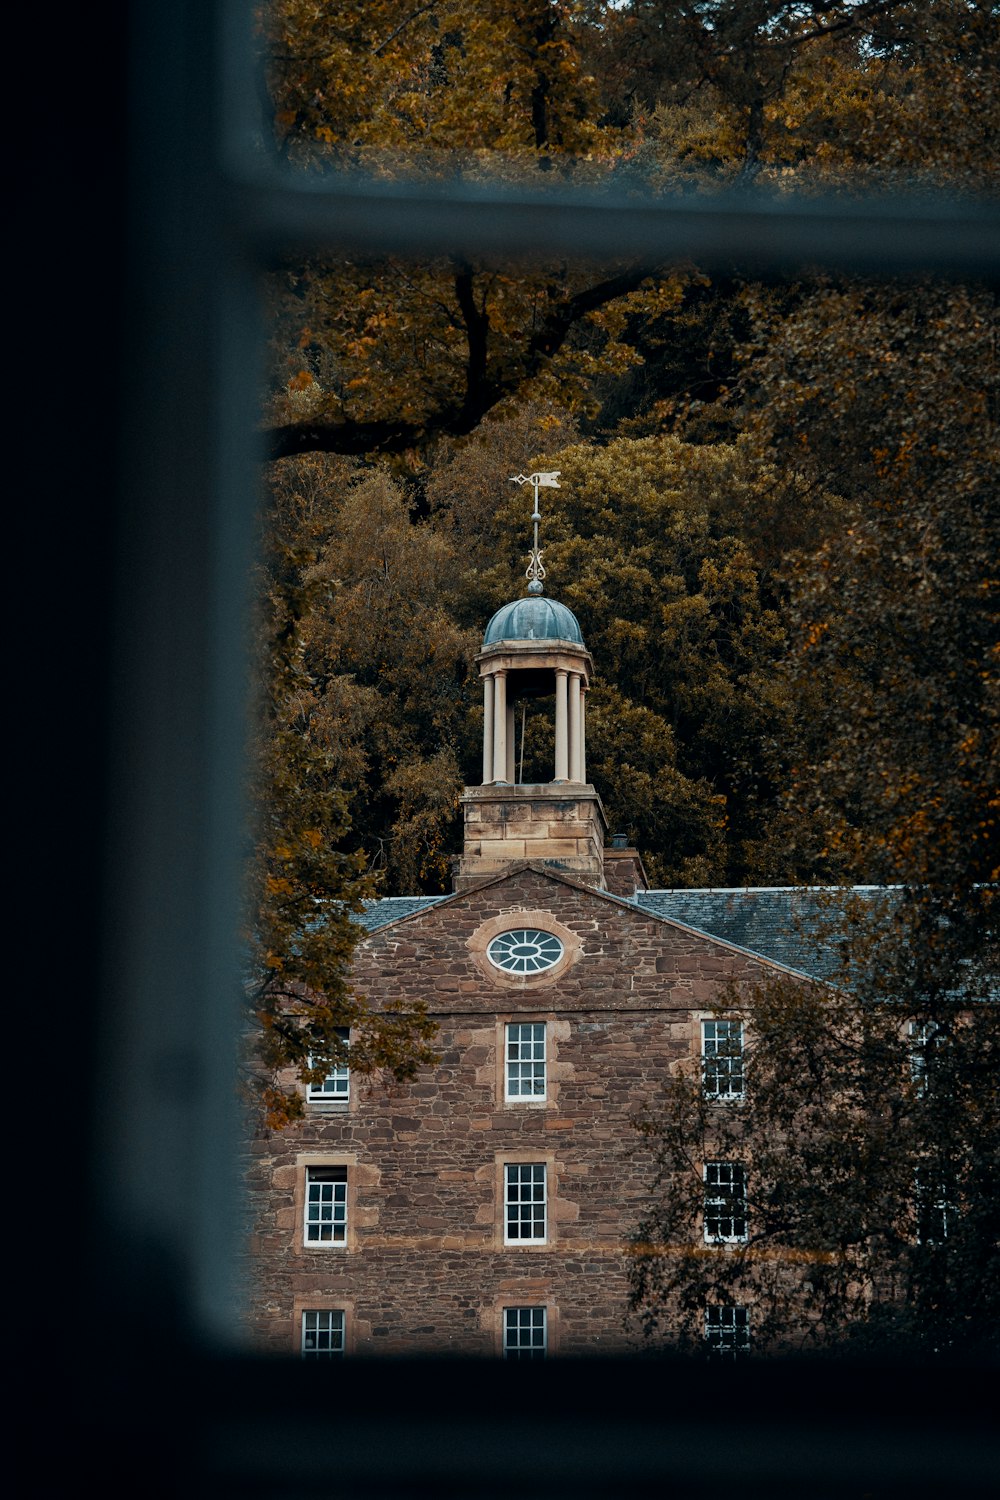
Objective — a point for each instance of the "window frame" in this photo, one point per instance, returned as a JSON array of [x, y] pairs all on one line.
[[336, 1174], [509, 1203], [715, 1206], [920, 1036], [734, 1060], [523, 936], [323, 1312], [315, 1092], [520, 1062], [195, 334], [935, 1209], [518, 1351], [737, 1347]]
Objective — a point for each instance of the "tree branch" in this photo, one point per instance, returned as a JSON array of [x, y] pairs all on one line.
[[456, 418], [377, 51]]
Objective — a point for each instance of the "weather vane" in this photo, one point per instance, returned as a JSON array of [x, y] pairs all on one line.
[[535, 572]]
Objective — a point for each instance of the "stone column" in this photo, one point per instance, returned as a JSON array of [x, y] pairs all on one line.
[[583, 733], [511, 769], [562, 728], [575, 727], [487, 728], [499, 725]]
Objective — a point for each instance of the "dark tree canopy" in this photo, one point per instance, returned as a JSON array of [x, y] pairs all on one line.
[[778, 515]]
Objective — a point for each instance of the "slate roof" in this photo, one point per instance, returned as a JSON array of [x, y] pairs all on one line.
[[380, 913], [783, 923]]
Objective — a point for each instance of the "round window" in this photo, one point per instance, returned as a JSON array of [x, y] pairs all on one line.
[[525, 950]]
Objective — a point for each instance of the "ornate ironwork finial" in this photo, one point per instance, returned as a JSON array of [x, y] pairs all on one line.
[[535, 573]]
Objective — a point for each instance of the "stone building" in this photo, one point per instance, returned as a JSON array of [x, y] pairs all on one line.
[[484, 1209]]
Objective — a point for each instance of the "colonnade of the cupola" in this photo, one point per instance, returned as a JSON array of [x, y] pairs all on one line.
[[533, 649], [506, 682]]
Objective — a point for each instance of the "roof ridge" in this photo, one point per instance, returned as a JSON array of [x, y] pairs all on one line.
[[746, 890]]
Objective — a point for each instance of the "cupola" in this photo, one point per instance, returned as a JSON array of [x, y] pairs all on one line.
[[533, 648]]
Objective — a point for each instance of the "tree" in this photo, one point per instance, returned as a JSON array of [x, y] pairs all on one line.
[[896, 616], [869, 1133], [862, 1167], [388, 357], [777, 507], [659, 548], [303, 888]]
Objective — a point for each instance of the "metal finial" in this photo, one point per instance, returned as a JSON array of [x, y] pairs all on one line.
[[535, 572]]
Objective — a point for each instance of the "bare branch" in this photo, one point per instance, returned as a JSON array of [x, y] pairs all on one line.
[[377, 51]]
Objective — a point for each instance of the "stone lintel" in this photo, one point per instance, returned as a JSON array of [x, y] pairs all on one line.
[[506, 656]]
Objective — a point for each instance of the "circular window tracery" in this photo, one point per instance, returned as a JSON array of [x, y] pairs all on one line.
[[525, 950]]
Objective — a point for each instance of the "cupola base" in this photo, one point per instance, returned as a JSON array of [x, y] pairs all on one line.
[[562, 824]]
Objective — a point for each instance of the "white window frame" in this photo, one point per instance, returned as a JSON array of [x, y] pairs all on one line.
[[336, 1086], [725, 1203], [500, 951], [920, 1036], [515, 1181], [935, 1211], [525, 1064], [315, 1219], [335, 1330], [727, 1331], [722, 1060], [516, 1324]]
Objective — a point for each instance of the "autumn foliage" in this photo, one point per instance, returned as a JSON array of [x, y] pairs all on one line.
[[777, 521]]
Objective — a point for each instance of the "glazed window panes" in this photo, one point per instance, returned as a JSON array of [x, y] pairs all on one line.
[[921, 1033], [727, 1332], [525, 1061], [524, 1202], [326, 1206], [935, 1208], [722, 1059], [525, 950], [725, 1202], [337, 1083], [525, 1332], [322, 1334]]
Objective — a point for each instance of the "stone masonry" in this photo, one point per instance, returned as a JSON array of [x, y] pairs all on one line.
[[424, 1267], [560, 824]]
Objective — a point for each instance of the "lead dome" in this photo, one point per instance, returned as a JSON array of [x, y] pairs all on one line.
[[533, 620]]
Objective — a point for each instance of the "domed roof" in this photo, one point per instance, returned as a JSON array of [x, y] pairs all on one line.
[[533, 620]]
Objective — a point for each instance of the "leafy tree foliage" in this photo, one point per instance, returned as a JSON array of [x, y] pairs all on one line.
[[777, 510], [870, 1129], [303, 887], [648, 543], [869, 1135]]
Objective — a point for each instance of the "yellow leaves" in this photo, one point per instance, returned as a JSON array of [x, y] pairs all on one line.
[[278, 885]]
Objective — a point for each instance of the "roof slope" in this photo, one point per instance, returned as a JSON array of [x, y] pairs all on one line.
[[380, 912], [789, 924]]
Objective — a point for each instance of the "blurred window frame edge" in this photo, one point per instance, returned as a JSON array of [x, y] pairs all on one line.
[[206, 213]]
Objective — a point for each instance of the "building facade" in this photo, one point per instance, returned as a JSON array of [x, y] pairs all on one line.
[[486, 1207]]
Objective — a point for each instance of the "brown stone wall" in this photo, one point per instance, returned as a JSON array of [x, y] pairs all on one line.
[[425, 1267], [624, 872]]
